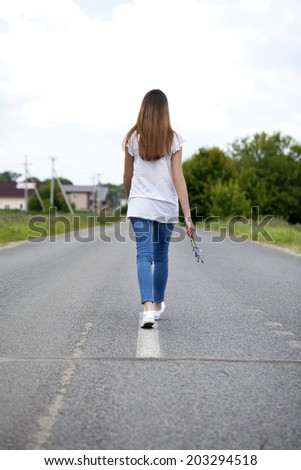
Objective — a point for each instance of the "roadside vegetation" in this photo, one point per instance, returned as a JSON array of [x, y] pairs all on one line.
[[17, 225], [261, 172], [277, 232]]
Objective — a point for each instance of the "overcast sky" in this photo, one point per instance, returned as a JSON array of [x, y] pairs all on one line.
[[73, 74]]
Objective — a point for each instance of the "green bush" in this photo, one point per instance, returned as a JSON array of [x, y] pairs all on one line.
[[44, 190], [202, 171], [263, 170], [269, 170], [228, 199]]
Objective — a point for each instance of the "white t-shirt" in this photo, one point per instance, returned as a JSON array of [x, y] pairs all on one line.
[[153, 195]]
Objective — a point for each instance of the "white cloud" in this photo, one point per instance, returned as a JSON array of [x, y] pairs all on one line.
[[217, 61], [256, 6], [71, 68]]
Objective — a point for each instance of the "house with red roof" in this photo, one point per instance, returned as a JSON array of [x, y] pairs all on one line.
[[12, 195]]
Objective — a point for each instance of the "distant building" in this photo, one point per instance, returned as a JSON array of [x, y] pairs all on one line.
[[12, 195], [86, 197]]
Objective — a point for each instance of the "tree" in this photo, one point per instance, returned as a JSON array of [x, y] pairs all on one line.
[[44, 190], [34, 179], [269, 169], [202, 171], [115, 194], [62, 180], [65, 180], [228, 199], [9, 176]]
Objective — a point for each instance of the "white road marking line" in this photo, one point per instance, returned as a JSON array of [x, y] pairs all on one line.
[[273, 323], [148, 344], [283, 333], [46, 422]]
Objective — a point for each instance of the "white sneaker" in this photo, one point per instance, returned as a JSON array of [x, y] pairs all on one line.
[[148, 320], [158, 313]]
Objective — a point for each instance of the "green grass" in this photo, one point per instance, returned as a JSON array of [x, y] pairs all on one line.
[[17, 226], [282, 233], [14, 227]]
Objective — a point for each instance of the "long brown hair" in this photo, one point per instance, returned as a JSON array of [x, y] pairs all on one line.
[[153, 126]]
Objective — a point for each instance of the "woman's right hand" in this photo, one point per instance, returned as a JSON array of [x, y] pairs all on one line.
[[190, 228]]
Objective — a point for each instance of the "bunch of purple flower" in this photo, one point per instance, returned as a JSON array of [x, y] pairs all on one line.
[[196, 250]]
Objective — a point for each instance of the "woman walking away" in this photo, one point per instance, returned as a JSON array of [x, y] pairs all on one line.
[[153, 182]]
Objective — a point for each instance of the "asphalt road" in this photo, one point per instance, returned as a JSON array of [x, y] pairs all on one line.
[[221, 370]]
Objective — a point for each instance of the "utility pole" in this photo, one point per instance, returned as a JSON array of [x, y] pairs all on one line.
[[26, 183], [97, 193], [64, 194], [93, 192], [38, 195], [52, 182]]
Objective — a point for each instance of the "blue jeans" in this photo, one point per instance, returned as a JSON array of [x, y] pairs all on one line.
[[152, 243]]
